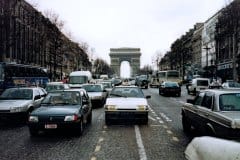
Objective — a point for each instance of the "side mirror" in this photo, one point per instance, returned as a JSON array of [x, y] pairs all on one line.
[[148, 96], [37, 97], [191, 101]]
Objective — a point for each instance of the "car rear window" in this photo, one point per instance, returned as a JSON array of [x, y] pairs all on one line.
[[202, 82], [229, 102]]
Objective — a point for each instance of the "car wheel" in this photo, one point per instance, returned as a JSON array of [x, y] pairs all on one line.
[[210, 131], [80, 129], [107, 121], [33, 132], [186, 125], [89, 119], [145, 121], [179, 94]]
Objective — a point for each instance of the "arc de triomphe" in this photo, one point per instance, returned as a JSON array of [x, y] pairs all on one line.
[[131, 55]]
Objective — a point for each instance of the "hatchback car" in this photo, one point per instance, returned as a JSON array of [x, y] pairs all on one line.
[[97, 93], [213, 112], [17, 103], [126, 103], [170, 88], [198, 84], [53, 86], [231, 85], [62, 110]]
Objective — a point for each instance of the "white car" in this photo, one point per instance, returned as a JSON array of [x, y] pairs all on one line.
[[197, 85], [126, 103], [17, 103], [210, 148]]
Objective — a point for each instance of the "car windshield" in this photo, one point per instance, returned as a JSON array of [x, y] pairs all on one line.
[[170, 84], [107, 85], [78, 79], [234, 84], [17, 93], [92, 88], [202, 82], [54, 87], [62, 98], [229, 102], [127, 92]]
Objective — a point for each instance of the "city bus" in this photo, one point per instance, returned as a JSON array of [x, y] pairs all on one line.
[[14, 75], [169, 75]]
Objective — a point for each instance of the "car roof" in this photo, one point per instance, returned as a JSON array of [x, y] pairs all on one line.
[[222, 91], [126, 86], [55, 83]]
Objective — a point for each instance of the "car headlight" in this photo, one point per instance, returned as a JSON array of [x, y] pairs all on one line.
[[33, 119], [110, 107], [71, 118], [16, 109], [142, 107], [97, 97]]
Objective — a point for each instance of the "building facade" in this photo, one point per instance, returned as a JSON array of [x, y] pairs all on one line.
[[228, 42], [27, 37]]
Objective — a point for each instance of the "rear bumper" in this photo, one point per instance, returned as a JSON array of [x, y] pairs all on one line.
[[60, 126]]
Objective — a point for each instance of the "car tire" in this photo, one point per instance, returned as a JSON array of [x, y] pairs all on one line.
[[186, 125], [33, 132], [89, 118], [107, 121], [145, 121], [80, 129], [179, 94]]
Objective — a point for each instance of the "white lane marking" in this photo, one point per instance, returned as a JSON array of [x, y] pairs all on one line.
[[93, 158], [158, 118], [155, 125], [97, 148], [141, 149], [165, 117], [151, 118], [161, 122], [164, 126], [176, 139], [169, 132], [100, 140]]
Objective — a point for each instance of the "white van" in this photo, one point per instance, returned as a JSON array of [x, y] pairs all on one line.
[[77, 78], [198, 84]]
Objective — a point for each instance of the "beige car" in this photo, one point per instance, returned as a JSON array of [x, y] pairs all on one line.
[[213, 112]]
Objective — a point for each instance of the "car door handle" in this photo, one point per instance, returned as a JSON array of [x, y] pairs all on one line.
[[206, 114]]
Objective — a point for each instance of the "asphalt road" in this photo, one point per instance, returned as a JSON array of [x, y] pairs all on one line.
[[162, 138]]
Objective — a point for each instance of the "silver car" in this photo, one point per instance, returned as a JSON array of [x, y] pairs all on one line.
[[213, 112], [17, 103], [97, 94]]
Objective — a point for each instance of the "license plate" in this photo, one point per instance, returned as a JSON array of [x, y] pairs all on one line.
[[50, 126]]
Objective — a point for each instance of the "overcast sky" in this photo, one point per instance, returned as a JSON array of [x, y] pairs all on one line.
[[152, 25]]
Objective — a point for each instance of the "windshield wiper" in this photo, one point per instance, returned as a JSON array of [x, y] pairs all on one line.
[[117, 95]]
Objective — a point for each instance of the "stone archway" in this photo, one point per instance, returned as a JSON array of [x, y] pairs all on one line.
[[132, 55]]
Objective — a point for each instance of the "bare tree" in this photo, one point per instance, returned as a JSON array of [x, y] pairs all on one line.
[[54, 18], [157, 58]]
